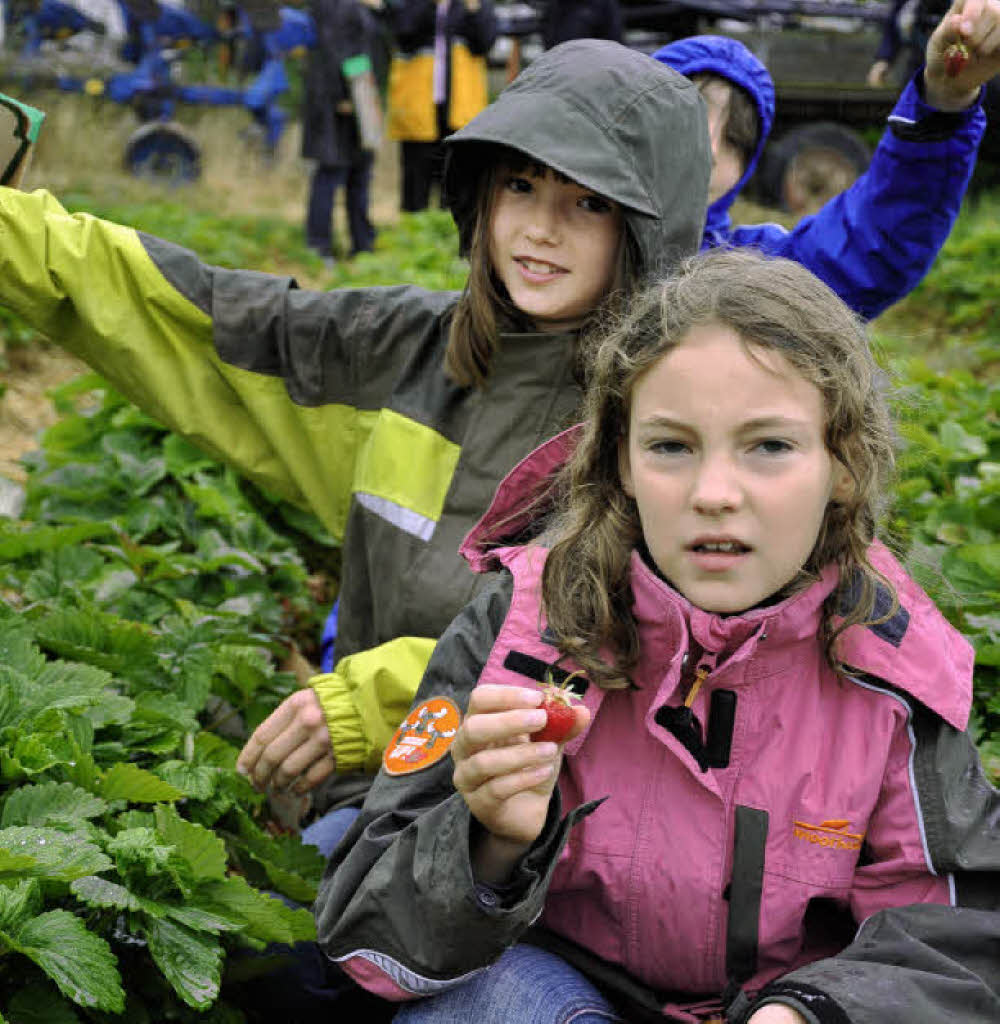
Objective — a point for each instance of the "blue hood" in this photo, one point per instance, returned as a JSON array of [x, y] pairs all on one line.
[[729, 59]]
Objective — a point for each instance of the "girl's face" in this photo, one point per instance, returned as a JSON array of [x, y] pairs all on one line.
[[727, 463], [727, 161], [554, 245]]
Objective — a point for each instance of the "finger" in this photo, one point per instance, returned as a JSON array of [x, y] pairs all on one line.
[[496, 697], [501, 727], [503, 788], [486, 765], [319, 771], [269, 729], [295, 759]]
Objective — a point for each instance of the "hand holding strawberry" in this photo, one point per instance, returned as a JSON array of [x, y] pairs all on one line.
[[506, 779], [962, 54]]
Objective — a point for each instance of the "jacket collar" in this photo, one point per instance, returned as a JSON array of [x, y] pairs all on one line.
[[915, 650]]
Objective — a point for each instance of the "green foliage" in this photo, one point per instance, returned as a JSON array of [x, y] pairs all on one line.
[[946, 515], [146, 603]]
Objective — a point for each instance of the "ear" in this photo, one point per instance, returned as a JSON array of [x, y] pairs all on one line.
[[625, 467], [843, 488]]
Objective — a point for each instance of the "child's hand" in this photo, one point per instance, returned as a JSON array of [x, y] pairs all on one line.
[[290, 747], [504, 778], [974, 24]]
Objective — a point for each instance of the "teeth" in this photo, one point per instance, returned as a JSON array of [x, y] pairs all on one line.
[[728, 546], [538, 268]]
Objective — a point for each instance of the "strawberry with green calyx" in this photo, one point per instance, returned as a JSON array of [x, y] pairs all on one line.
[[956, 56], [560, 715]]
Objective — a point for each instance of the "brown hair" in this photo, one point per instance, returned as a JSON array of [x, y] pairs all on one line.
[[484, 308], [771, 304], [742, 128]]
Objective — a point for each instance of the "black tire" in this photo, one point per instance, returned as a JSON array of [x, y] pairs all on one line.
[[810, 164], [163, 151]]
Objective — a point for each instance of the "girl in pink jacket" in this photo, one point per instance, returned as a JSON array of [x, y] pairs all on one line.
[[768, 746]]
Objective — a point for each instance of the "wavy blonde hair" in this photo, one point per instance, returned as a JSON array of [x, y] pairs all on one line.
[[772, 304]]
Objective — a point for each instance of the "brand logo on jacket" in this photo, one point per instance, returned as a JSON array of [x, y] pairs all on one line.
[[833, 834]]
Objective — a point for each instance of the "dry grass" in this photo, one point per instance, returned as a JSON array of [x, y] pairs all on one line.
[[84, 139]]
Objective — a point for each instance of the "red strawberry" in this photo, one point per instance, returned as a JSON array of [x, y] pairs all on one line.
[[559, 714], [956, 56]]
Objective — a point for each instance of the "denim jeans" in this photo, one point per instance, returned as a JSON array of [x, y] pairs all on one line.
[[355, 178], [526, 985], [326, 832]]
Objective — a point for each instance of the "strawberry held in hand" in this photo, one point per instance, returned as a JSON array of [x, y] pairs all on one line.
[[559, 714], [956, 56]]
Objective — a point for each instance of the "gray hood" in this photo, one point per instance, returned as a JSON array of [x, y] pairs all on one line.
[[613, 120]]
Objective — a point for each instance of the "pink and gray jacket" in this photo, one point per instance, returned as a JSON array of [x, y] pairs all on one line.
[[713, 861]]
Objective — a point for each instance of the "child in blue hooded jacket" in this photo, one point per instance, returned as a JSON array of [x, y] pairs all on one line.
[[873, 243]]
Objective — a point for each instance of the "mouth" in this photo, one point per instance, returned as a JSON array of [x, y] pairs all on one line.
[[719, 546], [539, 268]]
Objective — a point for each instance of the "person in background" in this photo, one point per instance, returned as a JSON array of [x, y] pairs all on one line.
[[875, 242], [581, 19], [347, 43], [907, 27], [437, 83], [767, 751]]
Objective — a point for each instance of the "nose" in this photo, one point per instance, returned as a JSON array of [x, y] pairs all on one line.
[[716, 487], [543, 224]]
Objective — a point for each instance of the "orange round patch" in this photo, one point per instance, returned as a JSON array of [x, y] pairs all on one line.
[[425, 736]]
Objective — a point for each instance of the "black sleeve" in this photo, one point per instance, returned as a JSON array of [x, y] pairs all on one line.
[[399, 891], [477, 28]]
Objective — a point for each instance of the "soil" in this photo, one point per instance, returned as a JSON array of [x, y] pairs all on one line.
[[25, 408]]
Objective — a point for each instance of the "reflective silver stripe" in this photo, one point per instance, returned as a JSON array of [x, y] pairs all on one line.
[[910, 771], [403, 976], [406, 519], [952, 893]]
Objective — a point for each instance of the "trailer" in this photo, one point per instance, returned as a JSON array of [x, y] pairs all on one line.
[[818, 52]]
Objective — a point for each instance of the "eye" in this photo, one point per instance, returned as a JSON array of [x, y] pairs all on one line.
[[595, 204], [518, 183], [668, 446], [772, 446]]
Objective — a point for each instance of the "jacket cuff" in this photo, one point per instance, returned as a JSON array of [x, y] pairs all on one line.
[[343, 722], [816, 1006], [535, 868], [914, 120]]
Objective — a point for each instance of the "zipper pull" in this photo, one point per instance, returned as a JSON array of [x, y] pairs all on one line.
[[706, 663]]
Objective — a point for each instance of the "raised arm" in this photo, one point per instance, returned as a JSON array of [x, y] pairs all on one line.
[[876, 241]]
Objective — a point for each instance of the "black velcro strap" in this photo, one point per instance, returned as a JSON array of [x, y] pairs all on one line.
[[745, 888], [542, 671]]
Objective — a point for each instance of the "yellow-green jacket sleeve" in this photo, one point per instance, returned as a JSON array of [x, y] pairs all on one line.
[[367, 696]]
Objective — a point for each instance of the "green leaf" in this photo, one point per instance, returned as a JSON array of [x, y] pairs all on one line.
[[99, 892], [265, 917], [191, 961], [200, 920], [960, 443], [56, 855], [50, 802], [79, 962], [19, 903], [135, 784], [204, 852], [193, 780]]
